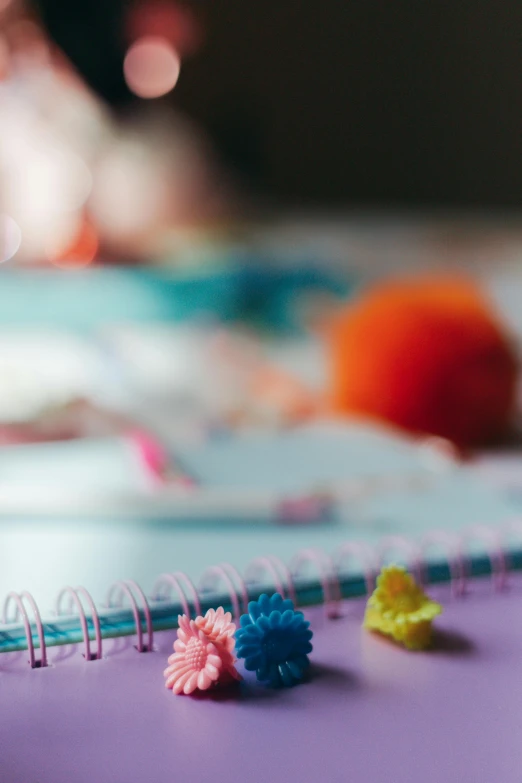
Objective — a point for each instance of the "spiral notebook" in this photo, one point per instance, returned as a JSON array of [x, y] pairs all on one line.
[[97, 710]]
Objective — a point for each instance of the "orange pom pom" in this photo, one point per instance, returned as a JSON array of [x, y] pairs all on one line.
[[425, 354]]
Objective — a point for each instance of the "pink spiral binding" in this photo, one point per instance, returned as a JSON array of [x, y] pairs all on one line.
[[283, 578], [365, 554], [510, 527], [74, 598], [279, 572], [405, 544], [454, 557], [327, 576], [128, 587], [234, 574], [227, 573], [163, 587], [17, 599], [495, 552]]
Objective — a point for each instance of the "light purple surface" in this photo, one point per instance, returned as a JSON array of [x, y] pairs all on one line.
[[371, 712]]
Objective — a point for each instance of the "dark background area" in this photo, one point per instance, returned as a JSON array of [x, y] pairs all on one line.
[[341, 101]]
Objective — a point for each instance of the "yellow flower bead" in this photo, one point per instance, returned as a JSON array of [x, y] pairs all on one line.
[[399, 608]]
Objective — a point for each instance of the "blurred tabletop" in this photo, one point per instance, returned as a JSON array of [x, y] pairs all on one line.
[[41, 553]]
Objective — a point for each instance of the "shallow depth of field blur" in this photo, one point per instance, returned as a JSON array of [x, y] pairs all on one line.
[[188, 192]]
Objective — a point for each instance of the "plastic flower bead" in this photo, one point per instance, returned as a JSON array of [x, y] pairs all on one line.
[[274, 640], [217, 625], [399, 608], [195, 663]]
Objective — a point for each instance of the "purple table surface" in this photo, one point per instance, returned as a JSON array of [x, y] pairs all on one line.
[[370, 712]]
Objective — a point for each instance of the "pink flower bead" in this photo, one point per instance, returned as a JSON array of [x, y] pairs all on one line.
[[217, 625], [195, 663], [203, 653]]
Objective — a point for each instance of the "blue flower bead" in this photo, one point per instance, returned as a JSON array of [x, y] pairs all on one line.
[[274, 640]]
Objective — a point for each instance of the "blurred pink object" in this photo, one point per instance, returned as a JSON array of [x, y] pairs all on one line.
[[195, 663], [156, 462], [305, 509], [151, 67], [151, 452]]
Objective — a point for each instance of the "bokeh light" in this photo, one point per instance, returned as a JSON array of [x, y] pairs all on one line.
[[10, 237], [79, 252], [41, 177], [151, 67], [167, 20]]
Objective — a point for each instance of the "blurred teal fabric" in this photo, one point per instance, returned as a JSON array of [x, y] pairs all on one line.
[[85, 298]]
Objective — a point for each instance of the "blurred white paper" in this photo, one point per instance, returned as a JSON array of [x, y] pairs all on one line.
[[86, 465]]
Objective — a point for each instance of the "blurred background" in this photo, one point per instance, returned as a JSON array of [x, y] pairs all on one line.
[[346, 103], [189, 192]]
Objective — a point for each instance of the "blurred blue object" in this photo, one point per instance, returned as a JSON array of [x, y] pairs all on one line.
[[272, 295], [82, 299]]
